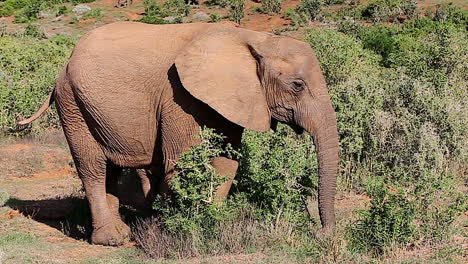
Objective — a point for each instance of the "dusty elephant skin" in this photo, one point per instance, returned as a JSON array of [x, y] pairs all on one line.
[[178, 79]]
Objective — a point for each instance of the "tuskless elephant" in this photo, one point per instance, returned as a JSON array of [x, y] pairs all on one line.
[[178, 79]]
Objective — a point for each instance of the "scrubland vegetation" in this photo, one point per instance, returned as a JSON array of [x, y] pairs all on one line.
[[398, 80]]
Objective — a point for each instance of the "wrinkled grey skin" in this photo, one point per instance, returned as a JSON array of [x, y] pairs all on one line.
[[179, 79]]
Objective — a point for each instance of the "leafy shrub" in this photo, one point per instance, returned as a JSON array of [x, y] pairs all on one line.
[[450, 13], [215, 17], [399, 96], [266, 208], [63, 10], [34, 31], [153, 20], [94, 13], [194, 184], [154, 12], [271, 6], [304, 12], [28, 70], [388, 221], [389, 10], [236, 11], [311, 8], [220, 3], [8, 7], [280, 184]]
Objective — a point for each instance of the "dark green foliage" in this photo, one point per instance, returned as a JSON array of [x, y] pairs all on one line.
[[155, 12], [219, 3], [194, 185], [153, 20], [399, 95], [271, 6], [311, 8], [215, 17], [389, 10], [62, 10], [450, 13], [28, 70], [94, 13], [34, 31], [304, 13], [277, 172], [28, 10], [387, 223], [268, 196], [236, 11]]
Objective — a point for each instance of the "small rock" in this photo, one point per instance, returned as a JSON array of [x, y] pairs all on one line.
[[201, 16], [81, 9], [170, 19]]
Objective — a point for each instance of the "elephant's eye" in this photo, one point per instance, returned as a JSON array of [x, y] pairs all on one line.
[[298, 85]]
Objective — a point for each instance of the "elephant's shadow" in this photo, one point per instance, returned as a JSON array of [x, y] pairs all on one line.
[[71, 215]]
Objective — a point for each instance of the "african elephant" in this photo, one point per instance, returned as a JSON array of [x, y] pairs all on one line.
[[180, 78]]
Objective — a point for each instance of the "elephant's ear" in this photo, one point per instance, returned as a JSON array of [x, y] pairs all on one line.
[[221, 71]]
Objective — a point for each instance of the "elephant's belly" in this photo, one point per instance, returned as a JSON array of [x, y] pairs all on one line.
[[125, 128]]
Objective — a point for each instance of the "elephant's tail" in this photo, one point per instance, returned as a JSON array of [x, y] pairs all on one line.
[[20, 125]]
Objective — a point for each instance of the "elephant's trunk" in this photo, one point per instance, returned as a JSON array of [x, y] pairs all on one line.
[[323, 129]]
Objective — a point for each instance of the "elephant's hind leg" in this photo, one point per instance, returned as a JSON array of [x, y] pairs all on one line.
[[91, 165]]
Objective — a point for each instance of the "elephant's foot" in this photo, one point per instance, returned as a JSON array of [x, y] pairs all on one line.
[[111, 234], [123, 229]]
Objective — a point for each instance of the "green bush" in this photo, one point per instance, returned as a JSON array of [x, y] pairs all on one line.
[[304, 12], [387, 223], [450, 13], [267, 201], [311, 8], [154, 12], [236, 11], [399, 95], [194, 184], [94, 13], [219, 3], [35, 31], [63, 10], [271, 6], [215, 17], [280, 184], [28, 70], [8, 7], [389, 10]]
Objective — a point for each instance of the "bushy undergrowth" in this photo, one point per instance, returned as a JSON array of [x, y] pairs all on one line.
[[266, 208], [155, 12], [29, 10], [28, 70], [236, 10], [400, 95], [271, 6]]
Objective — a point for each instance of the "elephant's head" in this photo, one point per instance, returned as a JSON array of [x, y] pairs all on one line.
[[253, 79]]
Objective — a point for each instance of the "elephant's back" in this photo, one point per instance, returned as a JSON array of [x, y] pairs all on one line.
[[118, 73]]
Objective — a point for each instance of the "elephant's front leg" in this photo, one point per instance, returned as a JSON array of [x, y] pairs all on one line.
[[226, 168]]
